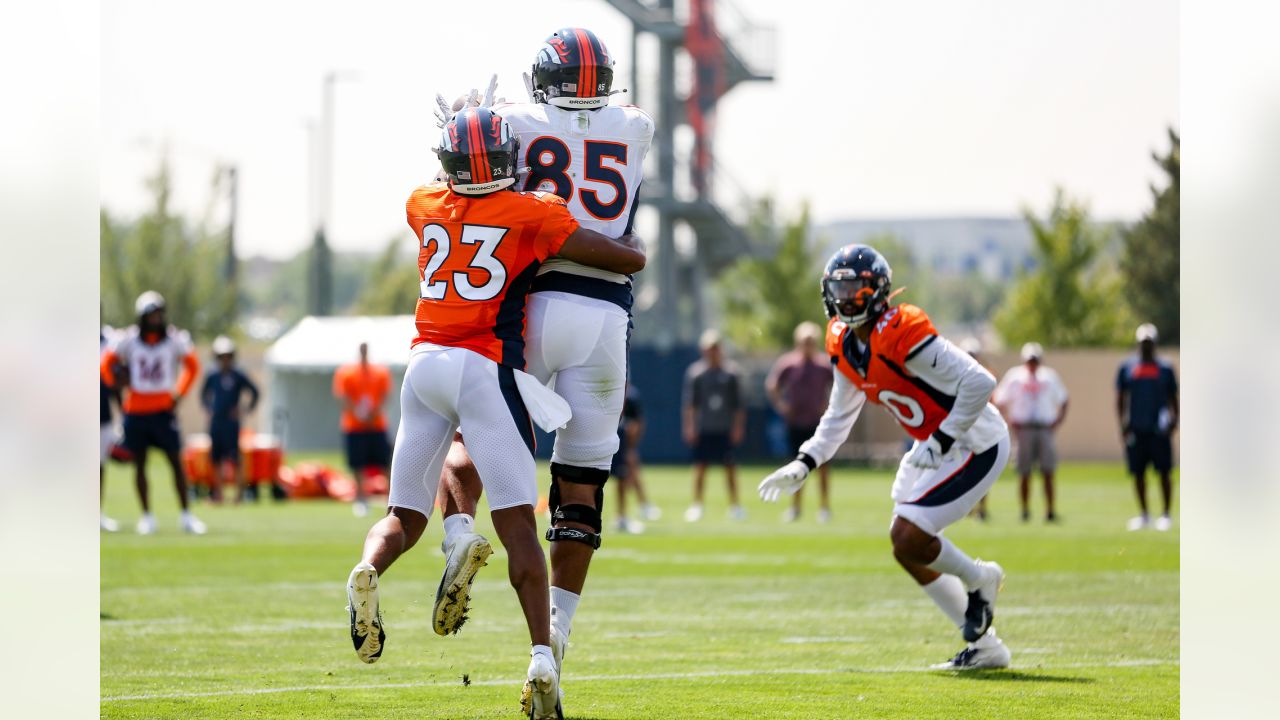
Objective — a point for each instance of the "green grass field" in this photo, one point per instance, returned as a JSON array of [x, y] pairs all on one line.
[[718, 619]]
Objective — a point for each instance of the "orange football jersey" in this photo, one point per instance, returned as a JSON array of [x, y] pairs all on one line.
[[880, 371], [478, 256]]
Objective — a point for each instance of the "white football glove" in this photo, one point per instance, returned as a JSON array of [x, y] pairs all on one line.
[[786, 479], [926, 454]]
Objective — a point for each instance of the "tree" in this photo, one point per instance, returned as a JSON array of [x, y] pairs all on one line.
[[392, 284], [1071, 298], [1150, 262], [765, 298], [163, 252]]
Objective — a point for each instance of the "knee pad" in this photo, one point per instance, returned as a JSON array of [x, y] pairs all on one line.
[[578, 476], [584, 514]]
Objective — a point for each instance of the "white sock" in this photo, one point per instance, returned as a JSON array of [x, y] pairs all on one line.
[[457, 524], [563, 605], [947, 592], [952, 561], [544, 650]]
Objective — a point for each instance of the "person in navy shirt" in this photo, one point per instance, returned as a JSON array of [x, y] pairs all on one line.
[[1147, 402], [221, 397]]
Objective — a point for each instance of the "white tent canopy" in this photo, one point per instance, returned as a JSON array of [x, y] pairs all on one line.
[[324, 343], [300, 367]]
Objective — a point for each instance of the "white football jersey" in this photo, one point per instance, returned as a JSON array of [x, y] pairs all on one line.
[[153, 368], [594, 159]]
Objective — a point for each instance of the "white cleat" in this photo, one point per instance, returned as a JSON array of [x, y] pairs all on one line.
[[1164, 523], [192, 525], [360, 508], [107, 524], [1138, 522], [982, 602], [366, 618], [824, 516], [988, 652], [693, 514], [463, 559], [737, 513], [146, 525], [630, 527], [650, 512], [790, 515], [540, 697]]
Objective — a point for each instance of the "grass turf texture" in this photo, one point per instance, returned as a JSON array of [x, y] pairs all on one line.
[[710, 620]]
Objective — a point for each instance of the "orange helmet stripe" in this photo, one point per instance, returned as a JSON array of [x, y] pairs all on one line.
[[587, 65]]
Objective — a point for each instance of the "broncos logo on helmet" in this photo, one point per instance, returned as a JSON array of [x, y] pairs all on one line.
[[478, 152], [856, 285], [573, 70]]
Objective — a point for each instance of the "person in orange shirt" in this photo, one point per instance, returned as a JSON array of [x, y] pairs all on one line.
[[363, 386], [145, 361], [480, 246]]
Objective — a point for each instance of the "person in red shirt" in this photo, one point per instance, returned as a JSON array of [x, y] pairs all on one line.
[[798, 386], [363, 386], [480, 246], [145, 361]]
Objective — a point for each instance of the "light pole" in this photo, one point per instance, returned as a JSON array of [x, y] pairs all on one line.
[[320, 275]]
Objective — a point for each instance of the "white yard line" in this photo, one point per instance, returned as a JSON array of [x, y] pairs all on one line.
[[1140, 662]]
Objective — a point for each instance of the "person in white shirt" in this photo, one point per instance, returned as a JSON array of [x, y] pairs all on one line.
[[1034, 402]]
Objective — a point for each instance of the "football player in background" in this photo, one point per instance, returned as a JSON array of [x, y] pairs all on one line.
[[579, 147], [892, 356], [145, 359], [481, 247]]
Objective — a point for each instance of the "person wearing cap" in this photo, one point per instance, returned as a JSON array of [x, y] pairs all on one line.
[[156, 365], [798, 386], [1147, 403], [221, 396], [714, 419], [362, 387], [1034, 402]]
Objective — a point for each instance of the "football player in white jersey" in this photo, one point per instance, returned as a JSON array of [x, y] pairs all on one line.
[[591, 153], [156, 364]]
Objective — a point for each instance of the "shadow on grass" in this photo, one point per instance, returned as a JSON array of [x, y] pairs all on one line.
[[1018, 676]]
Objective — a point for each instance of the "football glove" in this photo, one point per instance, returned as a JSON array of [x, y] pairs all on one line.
[[928, 454], [786, 479]]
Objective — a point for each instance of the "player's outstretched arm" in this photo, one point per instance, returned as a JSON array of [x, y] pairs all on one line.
[[588, 247], [833, 429]]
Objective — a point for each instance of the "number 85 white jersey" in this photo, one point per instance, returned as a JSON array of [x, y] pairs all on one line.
[[594, 159]]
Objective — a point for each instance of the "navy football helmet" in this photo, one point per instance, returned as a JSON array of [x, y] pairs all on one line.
[[573, 70], [478, 151], [856, 284]]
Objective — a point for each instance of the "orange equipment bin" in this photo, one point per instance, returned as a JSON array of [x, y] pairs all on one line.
[[195, 459], [262, 456]]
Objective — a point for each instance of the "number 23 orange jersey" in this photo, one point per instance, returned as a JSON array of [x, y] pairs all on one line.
[[477, 258], [881, 371]]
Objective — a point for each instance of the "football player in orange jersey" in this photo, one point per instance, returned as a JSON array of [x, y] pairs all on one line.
[[481, 244], [891, 355], [149, 354]]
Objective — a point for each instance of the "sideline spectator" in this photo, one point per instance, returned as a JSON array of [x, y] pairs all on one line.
[[1147, 402], [714, 420], [363, 386], [1034, 400], [220, 395], [798, 386]]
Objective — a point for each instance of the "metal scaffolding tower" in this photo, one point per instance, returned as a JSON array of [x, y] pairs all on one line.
[[726, 49]]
